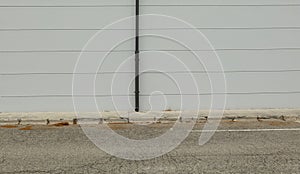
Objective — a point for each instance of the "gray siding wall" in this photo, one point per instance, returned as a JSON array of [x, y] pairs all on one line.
[[258, 42]]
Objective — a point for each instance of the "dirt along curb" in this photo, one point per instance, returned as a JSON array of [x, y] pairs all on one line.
[[126, 117]]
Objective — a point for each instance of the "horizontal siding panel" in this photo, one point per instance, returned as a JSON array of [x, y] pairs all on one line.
[[236, 83], [61, 40], [64, 104], [64, 2], [123, 84], [228, 16], [57, 62], [146, 2], [63, 17], [231, 60], [227, 39], [219, 2], [199, 16]]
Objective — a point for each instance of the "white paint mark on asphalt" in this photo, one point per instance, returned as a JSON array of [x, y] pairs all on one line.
[[248, 130]]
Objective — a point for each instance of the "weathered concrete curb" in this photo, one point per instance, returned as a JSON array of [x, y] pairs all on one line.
[[46, 117]]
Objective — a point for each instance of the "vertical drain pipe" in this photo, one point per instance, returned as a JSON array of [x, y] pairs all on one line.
[[137, 57]]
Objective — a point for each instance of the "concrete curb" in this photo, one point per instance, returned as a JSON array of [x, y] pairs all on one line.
[[164, 116]]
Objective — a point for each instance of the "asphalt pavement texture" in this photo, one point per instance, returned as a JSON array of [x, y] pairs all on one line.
[[66, 149]]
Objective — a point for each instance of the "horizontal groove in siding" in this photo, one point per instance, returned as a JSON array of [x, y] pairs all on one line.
[[124, 95], [100, 29], [153, 5], [169, 72], [142, 2], [91, 51]]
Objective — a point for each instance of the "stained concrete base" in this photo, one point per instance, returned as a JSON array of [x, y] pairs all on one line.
[[41, 117]]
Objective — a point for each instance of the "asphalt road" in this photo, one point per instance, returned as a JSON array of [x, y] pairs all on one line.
[[49, 149]]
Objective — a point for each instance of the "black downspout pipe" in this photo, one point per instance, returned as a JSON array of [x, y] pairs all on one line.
[[137, 57]]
